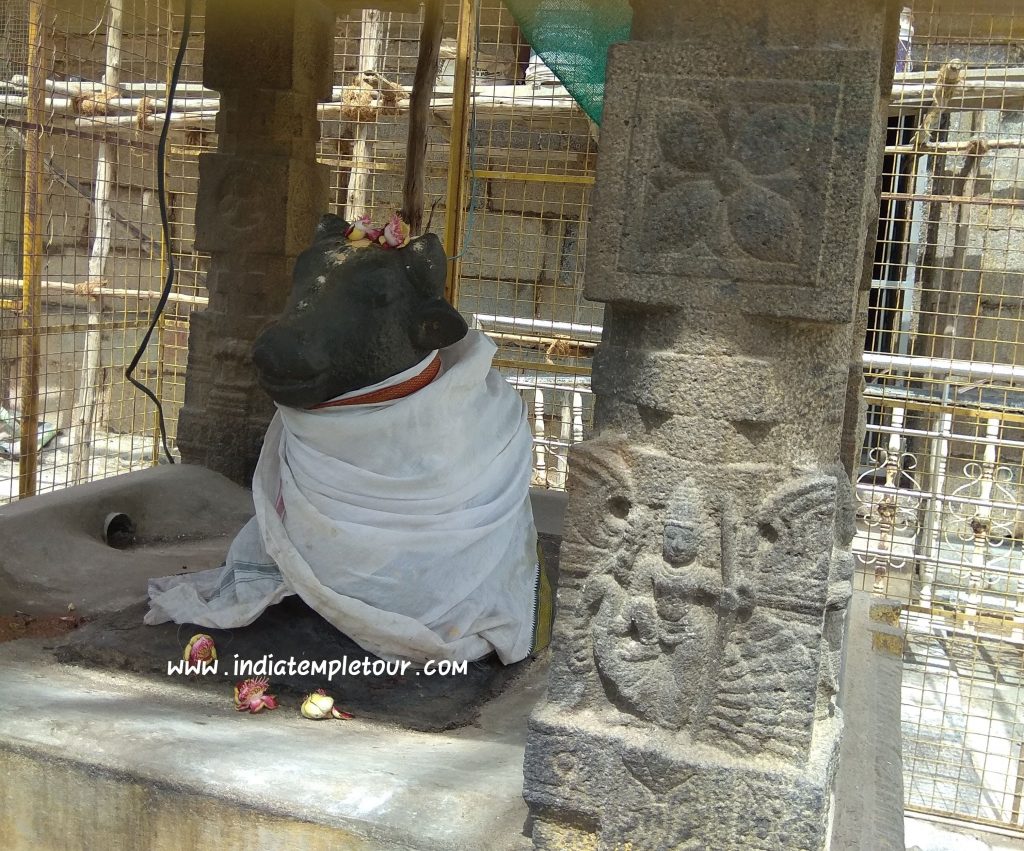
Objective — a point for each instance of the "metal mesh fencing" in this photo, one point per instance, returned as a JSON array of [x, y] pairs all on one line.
[[82, 88], [942, 472]]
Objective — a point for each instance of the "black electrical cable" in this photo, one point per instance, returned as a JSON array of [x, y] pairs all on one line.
[[161, 179]]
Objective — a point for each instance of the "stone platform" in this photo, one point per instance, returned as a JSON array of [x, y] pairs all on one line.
[[111, 748], [95, 758]]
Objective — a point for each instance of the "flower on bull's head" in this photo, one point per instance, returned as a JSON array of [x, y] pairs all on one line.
[[200, 648], [251, 695], [362, 233], [396, 233]]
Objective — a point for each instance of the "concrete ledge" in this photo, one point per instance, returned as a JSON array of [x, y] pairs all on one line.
[[99, 759], [868, 812], [53, 550]]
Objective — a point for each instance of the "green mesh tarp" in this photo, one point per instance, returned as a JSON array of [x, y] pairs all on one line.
[[572, 37]]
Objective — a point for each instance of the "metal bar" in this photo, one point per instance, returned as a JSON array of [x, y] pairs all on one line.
[[861, 548], [536, 340], [116, 292], [944, 366], [919, 494], [531, 366], [457, 158], [957, 199], [534, 177], [32, 255], [545, 324], [35, 126], [958, 147], [79, 327], [922, 405]]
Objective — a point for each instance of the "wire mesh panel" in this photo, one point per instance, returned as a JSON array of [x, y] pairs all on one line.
[[941, 479], [531, 159], [93, 104]]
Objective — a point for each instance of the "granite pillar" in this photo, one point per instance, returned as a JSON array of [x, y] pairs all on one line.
[[706, 563], [260, 197]]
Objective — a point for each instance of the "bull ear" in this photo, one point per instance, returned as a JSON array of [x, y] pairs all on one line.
[[330, 226], [437, 325]]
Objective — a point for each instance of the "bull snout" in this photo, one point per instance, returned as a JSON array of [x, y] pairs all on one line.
[[282, 353]]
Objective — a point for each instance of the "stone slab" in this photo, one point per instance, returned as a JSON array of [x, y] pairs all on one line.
[[287, 631], [102, 758], [293, 631], [53, 552]]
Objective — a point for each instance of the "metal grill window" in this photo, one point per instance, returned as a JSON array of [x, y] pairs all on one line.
[[508, 177]]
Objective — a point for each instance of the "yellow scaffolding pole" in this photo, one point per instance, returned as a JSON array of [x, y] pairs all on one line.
[[457, 156], [32, 254]]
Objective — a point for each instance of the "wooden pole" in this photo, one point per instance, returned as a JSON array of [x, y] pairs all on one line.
[[413, 190], [459, 140], [32, 256], [371, 51], [102, 226]]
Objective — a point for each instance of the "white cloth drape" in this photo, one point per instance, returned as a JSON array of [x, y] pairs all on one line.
[[406, 524]]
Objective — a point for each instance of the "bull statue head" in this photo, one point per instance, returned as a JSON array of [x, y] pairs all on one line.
[[355, 316]]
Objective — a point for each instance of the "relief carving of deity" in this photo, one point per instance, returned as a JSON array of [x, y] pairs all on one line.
[[661, 627]]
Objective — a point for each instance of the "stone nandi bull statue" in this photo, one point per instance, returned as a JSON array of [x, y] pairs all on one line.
[[392, 490]]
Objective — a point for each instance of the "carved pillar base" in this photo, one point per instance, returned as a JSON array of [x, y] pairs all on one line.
[[260, 197], [654, 794], [706, 564]]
